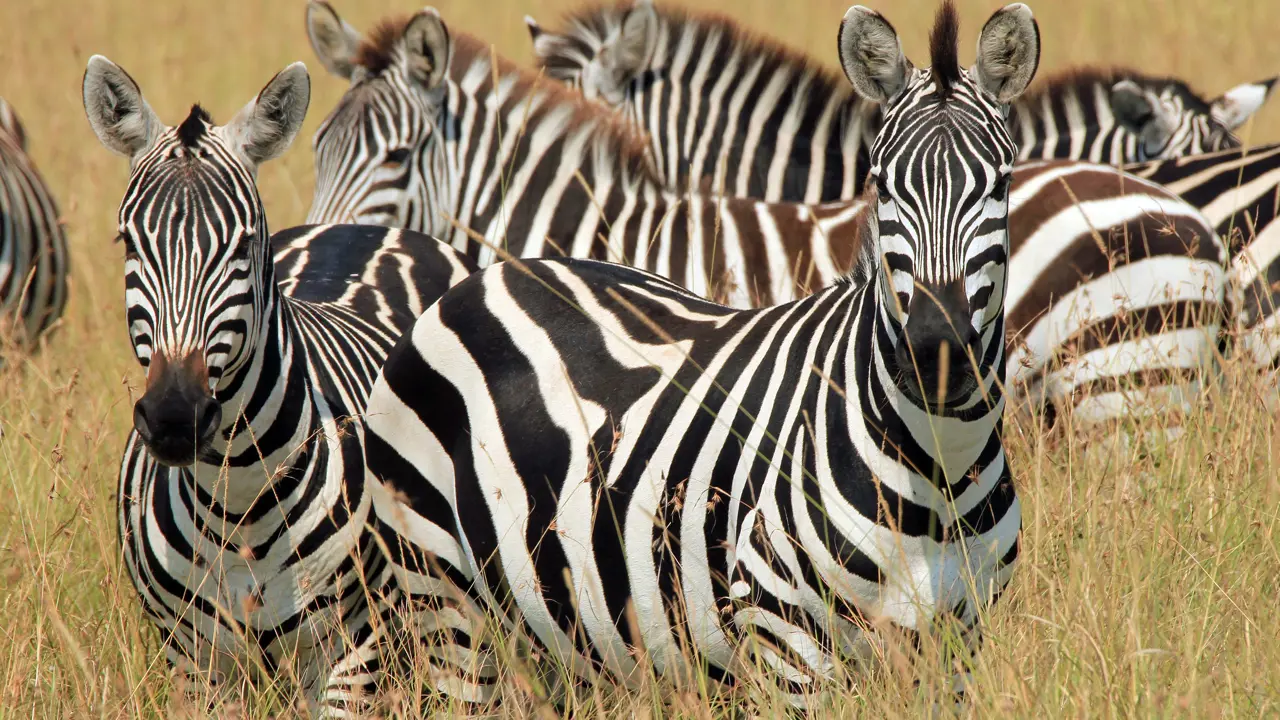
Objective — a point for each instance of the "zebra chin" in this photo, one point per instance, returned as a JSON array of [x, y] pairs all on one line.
[[178, 417]]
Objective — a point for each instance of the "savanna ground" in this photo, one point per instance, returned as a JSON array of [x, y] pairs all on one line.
[[1149, 580]]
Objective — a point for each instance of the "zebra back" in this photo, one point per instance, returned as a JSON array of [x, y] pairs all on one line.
[[784, 131], [1239, 192], [33, 248]]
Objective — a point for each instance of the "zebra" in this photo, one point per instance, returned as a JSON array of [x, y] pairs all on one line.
[[396, 149], [33, 247], [644, 480], [243, 518], [726, 108], [1239, 192]]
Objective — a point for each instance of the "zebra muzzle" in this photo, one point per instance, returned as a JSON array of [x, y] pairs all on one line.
[[178, 416], [938, 346]]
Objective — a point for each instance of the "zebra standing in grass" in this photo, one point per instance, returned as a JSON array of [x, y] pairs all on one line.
[[422, 136], [743, 114], [242, 505], [643, 479], [33, 249]]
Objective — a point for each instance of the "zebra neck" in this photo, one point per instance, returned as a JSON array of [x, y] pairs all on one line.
[[1077, 123], [937, 446], [272, 428]]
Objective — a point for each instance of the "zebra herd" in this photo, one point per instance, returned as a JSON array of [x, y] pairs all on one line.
[[681, 354]]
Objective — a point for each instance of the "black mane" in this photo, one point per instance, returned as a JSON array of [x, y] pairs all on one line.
[[943, 57], [193, 128]]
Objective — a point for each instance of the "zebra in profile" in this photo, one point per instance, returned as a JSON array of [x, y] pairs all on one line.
[[33, 248], [536, 168], [737, 112], [645, 480], [242, 509]]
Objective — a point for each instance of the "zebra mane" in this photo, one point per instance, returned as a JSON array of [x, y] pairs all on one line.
[[377, 51], [192, 130], [590, 25], [1084, 78], [944, 60]]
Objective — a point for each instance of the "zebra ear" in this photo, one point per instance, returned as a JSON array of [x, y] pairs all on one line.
[[871, 55], [1238, 104], [1141, 113], [119, 115], [427, 44], [264, 128], [631, 51], [1008, 52], [535, 30], [11, 124], [333, 40]]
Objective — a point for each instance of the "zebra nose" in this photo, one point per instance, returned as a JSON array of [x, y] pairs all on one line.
[[208, 418], [937, 348], [177, 417]]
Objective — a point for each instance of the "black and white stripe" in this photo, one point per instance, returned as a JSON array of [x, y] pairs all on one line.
[[641, 478], [728, 109], [1239, 192], [33, 249], [242, 507], [465, 150]]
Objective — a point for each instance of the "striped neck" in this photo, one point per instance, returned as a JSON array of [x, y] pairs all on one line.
[[271, 426]]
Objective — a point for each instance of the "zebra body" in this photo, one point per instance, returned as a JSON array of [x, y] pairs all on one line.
[[1239, 192], [745, 253], [521, 170], [727, 109], [638, 476], [33, 249], [242, 507]]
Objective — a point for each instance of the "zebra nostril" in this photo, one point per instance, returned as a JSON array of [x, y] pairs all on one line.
[[140, 421], [208, 418]]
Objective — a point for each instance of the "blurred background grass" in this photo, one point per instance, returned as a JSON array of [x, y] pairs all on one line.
[[1185, 628]]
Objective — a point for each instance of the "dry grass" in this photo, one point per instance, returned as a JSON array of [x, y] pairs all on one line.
[[1148, 584]]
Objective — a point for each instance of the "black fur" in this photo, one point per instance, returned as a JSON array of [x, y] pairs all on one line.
[[942, 48], [193, 128]]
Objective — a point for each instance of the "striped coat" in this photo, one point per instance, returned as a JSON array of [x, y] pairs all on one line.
[[33, 248], [729, 109], [575, 183]]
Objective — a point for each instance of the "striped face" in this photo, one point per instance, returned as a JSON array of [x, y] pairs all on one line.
[[199, 284], [603, 55], [380, 155], [368, 154], [1168, 122], [941, 166], [941, 169], [195, 242]]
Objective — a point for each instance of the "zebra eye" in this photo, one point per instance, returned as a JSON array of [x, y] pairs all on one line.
[[882, 191], [130, 248], [397, 156], [1001, 189]]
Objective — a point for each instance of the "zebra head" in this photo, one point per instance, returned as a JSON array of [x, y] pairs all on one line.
[[1169, 120], [600, 61], [198, 277], [370, 148], [941, 166]]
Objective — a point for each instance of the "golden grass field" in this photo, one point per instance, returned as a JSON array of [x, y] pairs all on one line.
[[1150, 582]]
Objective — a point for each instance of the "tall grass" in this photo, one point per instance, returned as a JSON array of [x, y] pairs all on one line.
[[1148, 580]]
